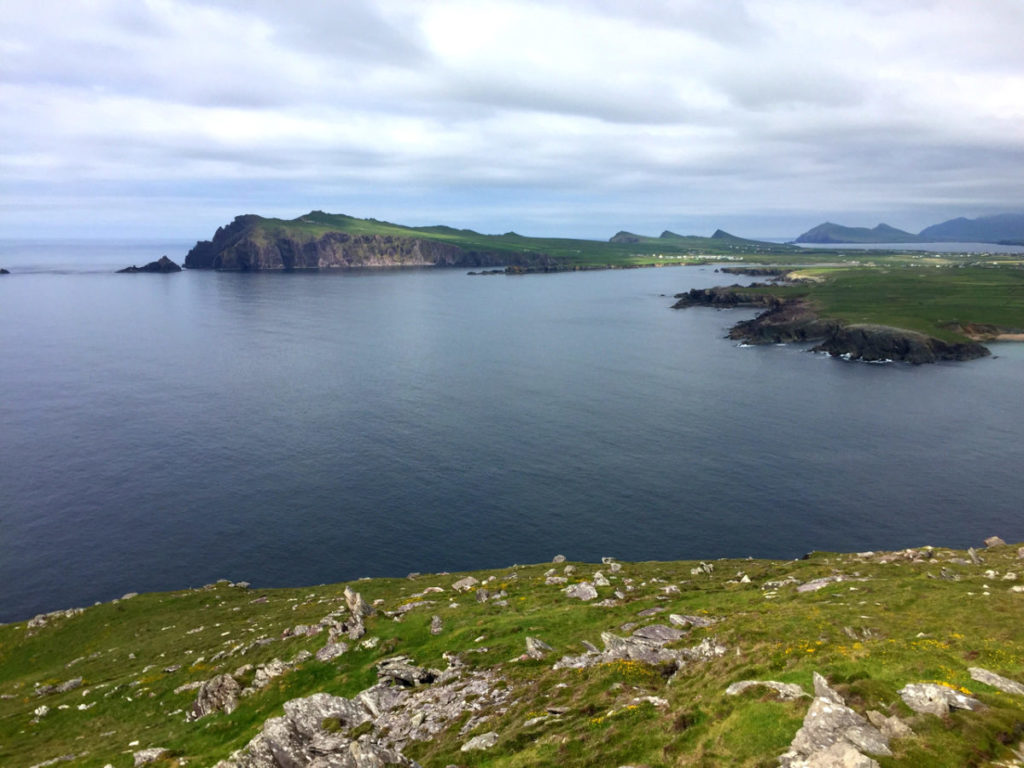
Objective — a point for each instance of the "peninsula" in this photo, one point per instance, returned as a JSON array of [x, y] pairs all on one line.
[[901, 658]]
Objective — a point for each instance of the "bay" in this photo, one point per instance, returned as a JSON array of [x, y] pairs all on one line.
[[163, 431]]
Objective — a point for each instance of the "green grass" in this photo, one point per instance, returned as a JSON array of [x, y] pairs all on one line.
[[870, 637], [934, 301]]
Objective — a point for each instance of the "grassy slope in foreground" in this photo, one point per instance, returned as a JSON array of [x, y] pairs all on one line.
[[255, 233], [883, 620]]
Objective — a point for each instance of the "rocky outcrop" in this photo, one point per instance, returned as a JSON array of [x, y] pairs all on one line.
[[874, 343], [371, 729], [4, 271], [249, 243], [796, 321], [935, 699], [219, 694], [163, 264], [834, 735]]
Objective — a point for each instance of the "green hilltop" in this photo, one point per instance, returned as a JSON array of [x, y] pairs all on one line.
[[916, 652]]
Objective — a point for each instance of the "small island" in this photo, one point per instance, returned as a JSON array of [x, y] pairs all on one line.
[[162, 265]]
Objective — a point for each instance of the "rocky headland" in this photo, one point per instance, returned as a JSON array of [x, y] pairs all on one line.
[[895, 658], [248, 243], [797, 320]]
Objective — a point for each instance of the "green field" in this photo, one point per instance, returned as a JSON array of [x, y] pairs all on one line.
[[885, 620], [939, 302]]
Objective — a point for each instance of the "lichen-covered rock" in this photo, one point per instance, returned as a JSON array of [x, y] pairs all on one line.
[[483, 741], [934, 699], [218, 694], [537, 648], [147, 756], [785, 691], [1004, 684], [582, 591], [465, 584], [400, 670]]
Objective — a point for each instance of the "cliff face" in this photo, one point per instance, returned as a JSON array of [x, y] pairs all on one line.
[[243, 245]]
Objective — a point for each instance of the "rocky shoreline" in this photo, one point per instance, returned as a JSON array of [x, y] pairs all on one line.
[[785, 321]]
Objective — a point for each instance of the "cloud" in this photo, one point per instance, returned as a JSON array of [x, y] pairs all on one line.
[[571, 111]]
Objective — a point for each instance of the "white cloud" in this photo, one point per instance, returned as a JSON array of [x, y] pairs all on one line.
[[665, 111]]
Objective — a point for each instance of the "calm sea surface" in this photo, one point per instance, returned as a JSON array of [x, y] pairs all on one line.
[[163, 431]]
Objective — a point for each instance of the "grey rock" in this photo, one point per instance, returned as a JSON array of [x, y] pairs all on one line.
[[891, 727], [600, 580], [650, 611], [465, 584], [832, 734], [537, 648], [569, 570], [552, 581], [785, 691], [330, 651], [686, 620], [218, 694], [482, 595], [994, 541], [558, 559], [400, 670], [356, 605], [436, 625], [973, 554], [815, 584], [659, 633], [582, 591], [1004, 684], [147, 756], [615, 567], [934, 699], [267, 672], [483, 741]]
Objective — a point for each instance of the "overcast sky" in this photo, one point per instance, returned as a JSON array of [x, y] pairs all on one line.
[[167, 118]]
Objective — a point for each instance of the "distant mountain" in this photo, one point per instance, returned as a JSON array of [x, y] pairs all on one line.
[[837, 233], [984, 229]]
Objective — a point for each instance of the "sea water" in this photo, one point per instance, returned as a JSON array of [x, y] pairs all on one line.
[[163, 431]]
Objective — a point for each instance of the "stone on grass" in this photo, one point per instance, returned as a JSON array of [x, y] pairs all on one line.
[[891, 727], [537, 648], [994, 541], [582, 591], [558, 559], [1004, 684], [436, 626], [218, 694], [331, 651], [934, 699], [465, 584], [684, 620], [483, 741], [147, 756], [785, 691]]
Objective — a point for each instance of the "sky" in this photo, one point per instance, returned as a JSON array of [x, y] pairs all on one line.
[[167, 118]]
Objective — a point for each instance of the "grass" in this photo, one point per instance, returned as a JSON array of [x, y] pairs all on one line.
[[937, 301], [900, 623]]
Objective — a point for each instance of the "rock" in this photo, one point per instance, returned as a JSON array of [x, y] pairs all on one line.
[[600, 580], [69, 685], [891, 727], [436, 625], [331, 650], [1004, 684], [615, 567], [218, 694], [972, 553], [934, 699], [832, 734], [147, 756], [537, 648], [650, 611], [466, 584], [356, 605], [482, 595], [4, 271], [483, 741], [816, 584], [399, 670], [785, 691], [163, 264], [552, 581], [994, 541], [558, 559], [267, 672], [659, 633], [685, 620], [582, 591], [877, 342], [569, 570]]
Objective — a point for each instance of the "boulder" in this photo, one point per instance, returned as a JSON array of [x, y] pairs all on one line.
[[785, 691], [218, 694], [558, 559], [147, 756], [582, 591], [685, 620], [331, 651], [994, 541], [934, 699], [1004, 684], [399, 670], [436, 626], [465, 584], [483, 741], [832, 734], [537, 648]]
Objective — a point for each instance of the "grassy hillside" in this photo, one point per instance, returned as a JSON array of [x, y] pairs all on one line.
[[938, 302], [876, 622]]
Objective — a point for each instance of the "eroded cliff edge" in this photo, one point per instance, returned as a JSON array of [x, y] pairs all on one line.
[[248, 243], [787, 320]]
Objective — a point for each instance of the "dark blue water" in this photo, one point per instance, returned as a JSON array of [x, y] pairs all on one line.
[[163, 431]]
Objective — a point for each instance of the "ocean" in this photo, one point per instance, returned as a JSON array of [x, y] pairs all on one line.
[[163, 431]]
